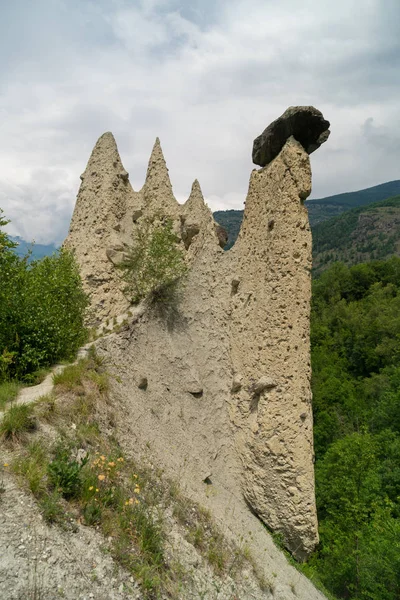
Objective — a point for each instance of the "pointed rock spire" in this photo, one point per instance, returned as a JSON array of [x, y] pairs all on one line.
[[105, 159], [98, 223], [195, 208], [196, 198], [157, 188], [197, 216]]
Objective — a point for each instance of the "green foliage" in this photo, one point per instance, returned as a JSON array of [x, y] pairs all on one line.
[[8, 392], [71, 376], [6, 243], [358, 235], [154, 264], [17, 420], [64, 472], [42, 308], [355, 340]]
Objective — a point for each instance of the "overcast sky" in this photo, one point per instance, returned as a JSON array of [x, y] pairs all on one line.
[[206, 76]]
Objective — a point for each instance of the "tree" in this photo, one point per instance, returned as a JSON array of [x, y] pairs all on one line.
[[154, 265], [42, 310]]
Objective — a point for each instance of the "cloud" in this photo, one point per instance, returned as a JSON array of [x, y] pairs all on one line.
[[206, 77]]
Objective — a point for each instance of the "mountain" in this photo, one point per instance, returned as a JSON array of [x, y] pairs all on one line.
[[38, 250], [365, 233], [324, 208]]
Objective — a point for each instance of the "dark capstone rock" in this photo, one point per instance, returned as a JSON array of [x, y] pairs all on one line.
[[305, 123]]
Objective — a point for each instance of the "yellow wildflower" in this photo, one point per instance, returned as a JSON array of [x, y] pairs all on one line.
[[91, 488], [5, 465], [111, 464], [97, 490], [101, 477], [103, 457], [137, 489], [134, 476], [120, 459]]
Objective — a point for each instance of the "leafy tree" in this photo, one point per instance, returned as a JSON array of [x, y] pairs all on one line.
[[154, 265], [355, 341], [42, 310]]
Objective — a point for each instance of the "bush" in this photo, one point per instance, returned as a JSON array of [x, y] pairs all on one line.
[[65, 473], [42, 308], [154, 264]]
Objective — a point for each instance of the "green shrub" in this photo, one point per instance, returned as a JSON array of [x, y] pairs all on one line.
[[154, 264], [42, 307], [65, 473]]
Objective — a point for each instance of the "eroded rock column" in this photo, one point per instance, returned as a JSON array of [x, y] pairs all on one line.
[[270, 345]]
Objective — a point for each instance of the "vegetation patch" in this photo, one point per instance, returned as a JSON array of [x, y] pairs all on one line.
[[355, 341], [17, 420], [8, 392], [43, 308], [154, 264]]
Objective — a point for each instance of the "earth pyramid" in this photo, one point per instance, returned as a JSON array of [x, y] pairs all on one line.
[[227, 401]]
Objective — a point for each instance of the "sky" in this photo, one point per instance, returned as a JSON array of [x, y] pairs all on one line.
[[206, 76]]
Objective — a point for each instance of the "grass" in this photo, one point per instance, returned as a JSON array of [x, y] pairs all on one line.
[[17, 420], [70, 377], [8, 392]]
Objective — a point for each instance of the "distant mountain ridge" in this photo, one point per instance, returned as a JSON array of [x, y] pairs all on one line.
[[38, 250], [359, 235], [321, 209]]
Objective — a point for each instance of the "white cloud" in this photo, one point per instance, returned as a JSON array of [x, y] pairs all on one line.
[[206, 77]]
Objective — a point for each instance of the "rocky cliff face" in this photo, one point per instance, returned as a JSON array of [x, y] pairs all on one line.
[[227, 406]]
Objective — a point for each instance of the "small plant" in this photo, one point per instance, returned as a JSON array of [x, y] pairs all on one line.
[[17, 420], [100, 379], [65, 473], [52, 509], [32, 465], [154, 264]]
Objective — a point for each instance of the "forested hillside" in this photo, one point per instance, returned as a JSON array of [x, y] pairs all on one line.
[[324, 208], [355, 341], [358, 235]]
